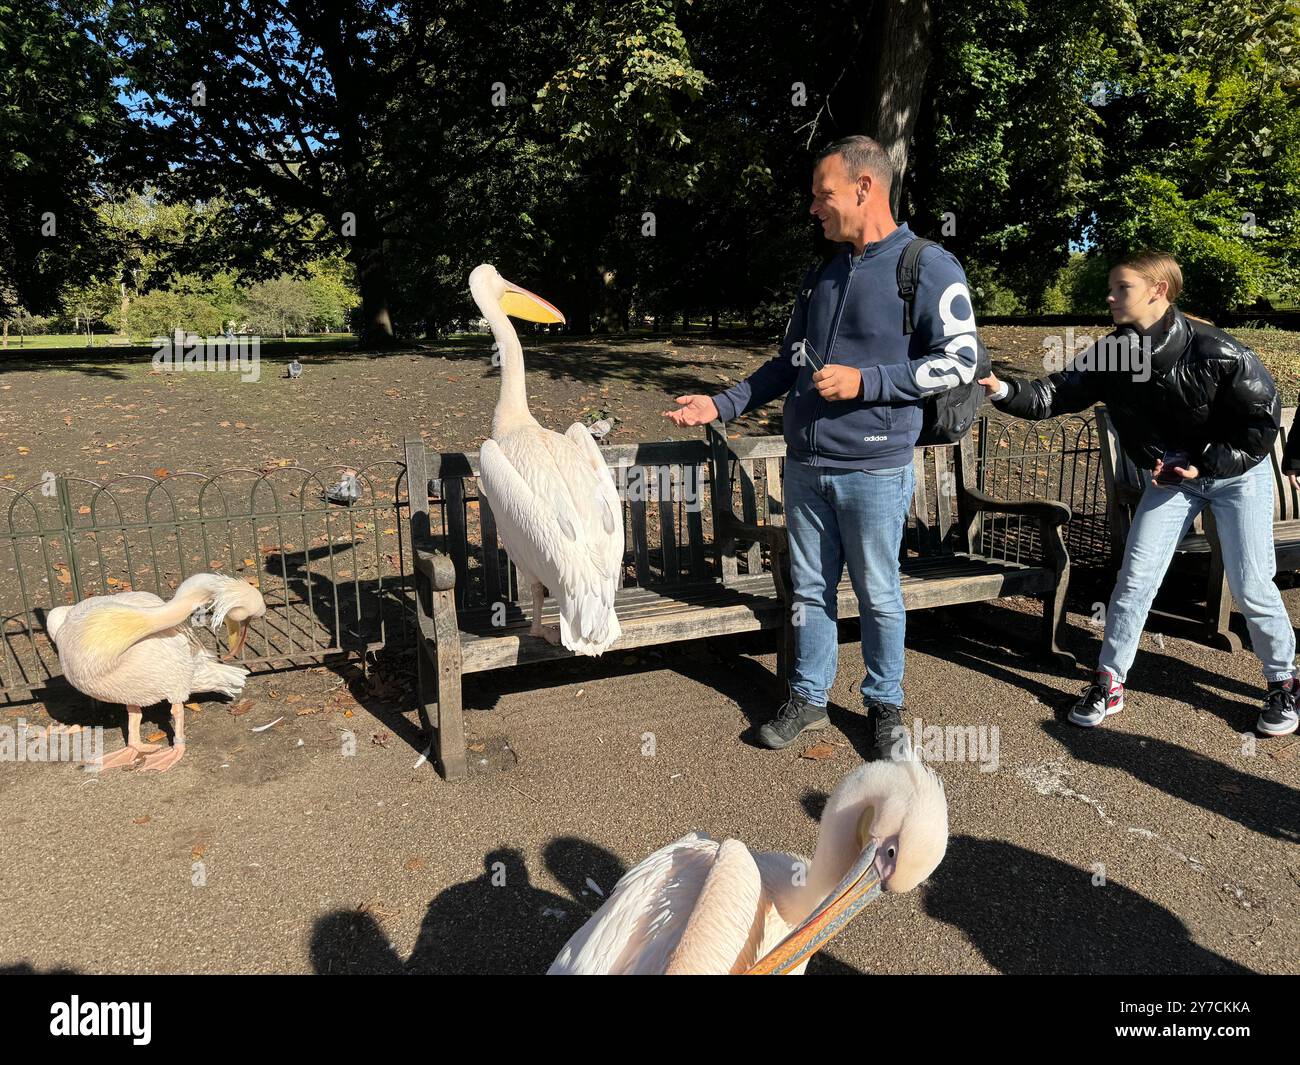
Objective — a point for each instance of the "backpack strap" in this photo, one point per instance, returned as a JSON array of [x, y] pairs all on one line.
[[909, 272]]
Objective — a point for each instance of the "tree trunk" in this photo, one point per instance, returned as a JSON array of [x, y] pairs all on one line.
[[898, 56]]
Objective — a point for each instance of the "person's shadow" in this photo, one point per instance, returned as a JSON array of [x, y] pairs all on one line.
[[1027, 913], [1263, 806], [497, 923]]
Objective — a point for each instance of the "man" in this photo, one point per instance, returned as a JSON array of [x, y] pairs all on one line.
[[853, 382]]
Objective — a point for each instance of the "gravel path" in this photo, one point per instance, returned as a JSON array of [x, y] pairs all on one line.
[[1153, 844]]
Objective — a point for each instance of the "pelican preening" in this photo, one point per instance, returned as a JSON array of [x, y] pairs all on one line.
[[133, 648], [698, 906], [552, 495]]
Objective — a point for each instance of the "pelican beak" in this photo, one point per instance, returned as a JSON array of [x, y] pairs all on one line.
[[236, 635], [845, 901], [520, 303]]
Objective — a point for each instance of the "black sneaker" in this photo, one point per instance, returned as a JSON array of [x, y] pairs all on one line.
[[891, 743], [1103, 697], [1279, 717], [794, 718]]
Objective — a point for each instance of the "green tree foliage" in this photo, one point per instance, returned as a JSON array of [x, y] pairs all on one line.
[[1203, 149], [59, 127]]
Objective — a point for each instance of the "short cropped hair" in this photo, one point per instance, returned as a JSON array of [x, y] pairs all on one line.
[[861, 155]]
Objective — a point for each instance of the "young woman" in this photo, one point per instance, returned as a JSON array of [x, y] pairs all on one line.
[[1199, 410]]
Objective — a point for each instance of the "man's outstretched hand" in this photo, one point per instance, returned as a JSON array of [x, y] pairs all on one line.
[[693, 410]]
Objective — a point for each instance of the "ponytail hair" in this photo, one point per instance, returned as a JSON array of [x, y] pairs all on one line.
[[1156, 266]]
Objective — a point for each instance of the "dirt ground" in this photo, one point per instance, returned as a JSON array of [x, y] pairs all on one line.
[[1162, 842], [1159, 843], [101, 418]]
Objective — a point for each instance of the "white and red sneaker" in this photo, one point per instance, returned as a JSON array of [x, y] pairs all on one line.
[[1103, 697]]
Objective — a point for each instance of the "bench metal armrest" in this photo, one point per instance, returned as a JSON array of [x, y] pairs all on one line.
[[435, 565], [1046, 510]]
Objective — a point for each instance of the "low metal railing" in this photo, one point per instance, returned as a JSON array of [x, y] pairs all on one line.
[[335, 576]]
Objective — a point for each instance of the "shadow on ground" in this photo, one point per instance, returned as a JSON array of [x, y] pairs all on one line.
[[1027, 913]]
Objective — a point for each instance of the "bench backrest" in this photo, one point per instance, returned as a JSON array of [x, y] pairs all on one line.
[[669, 510], [667, 529], [756, 465], [1125, 482]]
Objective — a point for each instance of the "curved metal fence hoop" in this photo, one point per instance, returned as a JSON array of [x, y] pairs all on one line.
[[328, 590]]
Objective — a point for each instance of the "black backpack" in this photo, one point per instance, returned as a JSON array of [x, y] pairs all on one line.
[[949, 415]]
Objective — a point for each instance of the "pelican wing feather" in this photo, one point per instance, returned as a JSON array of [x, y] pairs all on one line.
[[559, 517], [639, 926]]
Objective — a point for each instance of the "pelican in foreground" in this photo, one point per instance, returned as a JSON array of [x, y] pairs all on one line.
[[552, 495], [136, 649], [701, 907]]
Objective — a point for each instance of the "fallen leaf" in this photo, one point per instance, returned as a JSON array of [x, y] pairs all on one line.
[[1230, 788], [240, 708], [197, 851], [819, 752], [193, 706], [347, 713], [160, 473], [157, 737], [380, 739], [308, 710], [142, 820], [414, 865]]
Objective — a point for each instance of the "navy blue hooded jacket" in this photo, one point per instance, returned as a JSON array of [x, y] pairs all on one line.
[[854, 316]]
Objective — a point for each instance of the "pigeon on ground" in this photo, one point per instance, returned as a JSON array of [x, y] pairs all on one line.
[[346, 492]]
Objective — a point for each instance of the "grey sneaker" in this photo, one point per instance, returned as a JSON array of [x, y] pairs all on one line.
[[1279, 717], [794, 718], [1103, 697], [891, 742]]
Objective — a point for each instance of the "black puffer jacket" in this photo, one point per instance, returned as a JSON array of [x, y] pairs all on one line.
[[1206, 394]]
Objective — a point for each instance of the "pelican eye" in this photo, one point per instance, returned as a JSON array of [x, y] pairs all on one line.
[[892, 851]]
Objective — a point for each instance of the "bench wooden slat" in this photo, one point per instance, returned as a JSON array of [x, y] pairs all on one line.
[[943, 496], [749, 510], [492, 591], [919, 512], [453, 492], [775, 501], [638, 489], [666, 482], [693, 494]]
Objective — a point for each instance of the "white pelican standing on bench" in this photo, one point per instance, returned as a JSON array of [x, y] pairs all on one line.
[[701, 907], [553, 497]]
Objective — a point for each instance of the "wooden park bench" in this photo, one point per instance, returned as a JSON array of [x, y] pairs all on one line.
[[692, 568], [1200, 548]]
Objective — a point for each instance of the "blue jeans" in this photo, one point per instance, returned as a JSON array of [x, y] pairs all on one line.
[[856, 516], [1243, 512]]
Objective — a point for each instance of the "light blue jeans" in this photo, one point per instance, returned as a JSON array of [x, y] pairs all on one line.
[[1243, 512], [855, 516]]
